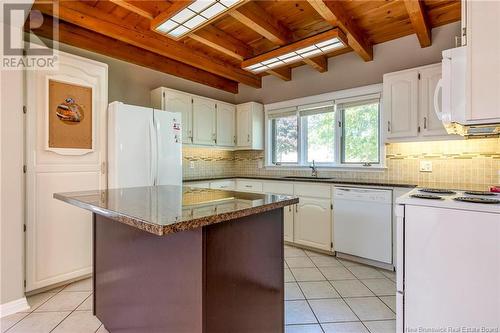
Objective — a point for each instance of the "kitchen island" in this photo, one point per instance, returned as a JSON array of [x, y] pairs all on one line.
[[180, 259]]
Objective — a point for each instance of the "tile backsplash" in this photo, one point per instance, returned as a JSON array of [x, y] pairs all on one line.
[[475, 161]]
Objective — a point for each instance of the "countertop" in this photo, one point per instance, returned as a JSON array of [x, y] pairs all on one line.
[[312, 180], [356, 182], [163, 210]]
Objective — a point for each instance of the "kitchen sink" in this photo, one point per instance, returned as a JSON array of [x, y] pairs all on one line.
[[308, 177]]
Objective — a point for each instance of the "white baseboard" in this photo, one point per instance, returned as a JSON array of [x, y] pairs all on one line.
[[12, 307]]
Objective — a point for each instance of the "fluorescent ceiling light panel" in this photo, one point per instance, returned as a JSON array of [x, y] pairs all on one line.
[[297, 55], [195, 15]]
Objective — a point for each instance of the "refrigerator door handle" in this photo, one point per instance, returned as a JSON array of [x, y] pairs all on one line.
[[153, 161]]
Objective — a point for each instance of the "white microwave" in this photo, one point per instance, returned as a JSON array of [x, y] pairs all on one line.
[[452, 89]]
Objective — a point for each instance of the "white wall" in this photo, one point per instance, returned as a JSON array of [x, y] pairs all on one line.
[[131, 84], [349, 70]]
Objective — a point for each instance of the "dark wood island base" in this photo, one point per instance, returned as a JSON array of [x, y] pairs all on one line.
[[223, 277]]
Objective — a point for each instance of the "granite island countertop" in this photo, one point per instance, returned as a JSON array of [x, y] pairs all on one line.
[[162, 210]]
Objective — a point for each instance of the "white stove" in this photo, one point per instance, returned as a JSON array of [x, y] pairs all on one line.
[[448, 261]]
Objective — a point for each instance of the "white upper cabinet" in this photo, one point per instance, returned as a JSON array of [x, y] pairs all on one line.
[[483, 60], [209, 122], [176, 101], [429, 123], [204, 121], [401, 104], [226, 115], [250, 126], [409, 111]]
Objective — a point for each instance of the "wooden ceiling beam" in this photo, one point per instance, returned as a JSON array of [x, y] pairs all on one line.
[[334, 13], [418, 18], [319, 63], [284, 73], [175, 7], [222, 42], [101, 22], [82, 38], [253, 16], [133, 8]]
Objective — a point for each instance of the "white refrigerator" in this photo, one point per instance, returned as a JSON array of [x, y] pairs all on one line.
[[144, 146]]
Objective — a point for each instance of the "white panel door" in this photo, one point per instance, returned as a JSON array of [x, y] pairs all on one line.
[[243, 126], [204, 129], [59, 236], [225, 124], [183, 103], [401, 104], [313, 223], [429, 122]]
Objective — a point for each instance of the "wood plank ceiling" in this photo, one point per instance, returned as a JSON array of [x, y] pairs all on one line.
[[213, 54]]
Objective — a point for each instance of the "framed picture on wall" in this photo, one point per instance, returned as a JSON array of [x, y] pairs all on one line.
[[70, 118]]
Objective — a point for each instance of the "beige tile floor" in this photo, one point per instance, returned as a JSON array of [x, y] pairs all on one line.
[[322, 295]]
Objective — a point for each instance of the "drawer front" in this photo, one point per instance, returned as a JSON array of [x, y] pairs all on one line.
[[312, 190], [278, 188], [223, 185], [248, 186], [198, 185]]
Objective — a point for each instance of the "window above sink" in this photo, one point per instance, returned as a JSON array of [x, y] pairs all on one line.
[[335, 130]]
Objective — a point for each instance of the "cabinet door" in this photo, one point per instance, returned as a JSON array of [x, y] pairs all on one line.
[[401, 104], [313, 223], [179, 102], [483, 61], [225, 124], [203, 121], [243, 121], [429, 122], [288, 223]]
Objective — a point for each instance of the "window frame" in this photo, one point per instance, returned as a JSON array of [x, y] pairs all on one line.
[[367, 93]]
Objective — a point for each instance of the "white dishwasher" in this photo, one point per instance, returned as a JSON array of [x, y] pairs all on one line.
[[362, 223]]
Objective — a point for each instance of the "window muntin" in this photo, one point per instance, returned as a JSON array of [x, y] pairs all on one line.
[[360, 132], [285, 139]]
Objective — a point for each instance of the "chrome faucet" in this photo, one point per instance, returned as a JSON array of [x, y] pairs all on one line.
[[314, 172]]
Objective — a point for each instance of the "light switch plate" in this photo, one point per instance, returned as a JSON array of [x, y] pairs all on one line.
[[191, 164], [260, 164], [425, 166]]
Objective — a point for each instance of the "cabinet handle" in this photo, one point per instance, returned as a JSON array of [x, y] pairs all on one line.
[[296, 208], [289, 208], [388, 126], [425, 122], [248, 138]]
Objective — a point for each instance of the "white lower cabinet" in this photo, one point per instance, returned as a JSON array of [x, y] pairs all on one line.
[[288, 220], [313, 223]]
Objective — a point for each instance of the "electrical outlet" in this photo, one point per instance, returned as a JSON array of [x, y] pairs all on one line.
[[259, 164], [191, 164], [425, 166]]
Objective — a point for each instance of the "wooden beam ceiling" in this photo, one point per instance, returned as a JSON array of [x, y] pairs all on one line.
[[101, 22], [418, 18], [284, 73], [255, 18], [133, 8], [82, 38], [222, 42], [333, 12], [319, 63]]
